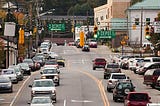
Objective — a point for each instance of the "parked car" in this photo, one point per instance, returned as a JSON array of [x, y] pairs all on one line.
[[5, 84], [111, 68], [11, 74], [99, 63], [18, 71], [137, 99], [151, 76], [114, 78], [41, 101], [51, 73], [25, 67], [122, 88], [44, 87], [147, 66]]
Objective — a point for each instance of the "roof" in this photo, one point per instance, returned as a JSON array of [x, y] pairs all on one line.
[[146, 4]]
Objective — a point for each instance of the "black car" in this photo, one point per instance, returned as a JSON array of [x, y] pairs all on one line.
[[122, 88], [5, 84], [86, 48], [25, 67]]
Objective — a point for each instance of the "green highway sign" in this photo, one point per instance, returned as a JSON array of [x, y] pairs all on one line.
[[106, 34], [56, 27]]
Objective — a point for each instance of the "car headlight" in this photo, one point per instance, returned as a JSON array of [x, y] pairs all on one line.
[[9, 84], [43, 77], [33, 92], [54, 91]]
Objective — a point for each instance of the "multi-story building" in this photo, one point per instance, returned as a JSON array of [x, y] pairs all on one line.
[[141, 15], [112, 16]]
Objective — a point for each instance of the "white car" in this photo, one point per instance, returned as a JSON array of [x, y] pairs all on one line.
[[114, 78], [134, 63], [43, 87], [41, 101], [10, 73]]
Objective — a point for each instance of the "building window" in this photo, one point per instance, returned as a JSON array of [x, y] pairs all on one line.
[[97, 19], [136, 21], [101, 17]]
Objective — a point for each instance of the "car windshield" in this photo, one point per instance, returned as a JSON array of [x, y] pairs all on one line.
[[7, 72], [24, 65], [112, 66], [41, 100], [100, 60], [27, 61], [125, 85], [43, 84], [118, 77], [4, 80], [49, 71], [138, 97]]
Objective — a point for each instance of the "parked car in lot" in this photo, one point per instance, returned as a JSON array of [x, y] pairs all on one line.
[[147, 66], [114, 78], [51, 73], [151, 76], [11, 74], [43, 87], [19, 71], [111, 68], [122, 88], [41, 101], [5, 84], [137, 99], [99, 63], [25, 67]]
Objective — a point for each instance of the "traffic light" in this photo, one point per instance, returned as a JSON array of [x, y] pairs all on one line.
[[95, 30], [21, 36], [147, 33], [136, 21]]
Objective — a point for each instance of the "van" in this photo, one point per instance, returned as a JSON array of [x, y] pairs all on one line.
[[151, 76]]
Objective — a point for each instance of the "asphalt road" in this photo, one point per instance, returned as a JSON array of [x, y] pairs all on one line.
[[79, 84]]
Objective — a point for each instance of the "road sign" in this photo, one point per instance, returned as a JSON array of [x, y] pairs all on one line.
[[56, 27]]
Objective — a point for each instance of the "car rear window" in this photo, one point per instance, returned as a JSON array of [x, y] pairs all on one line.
[[156, 59], [112, 66], [118, 77], [138, 97], [100, 60]]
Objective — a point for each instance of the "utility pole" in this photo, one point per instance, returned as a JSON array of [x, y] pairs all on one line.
[[141, 32]]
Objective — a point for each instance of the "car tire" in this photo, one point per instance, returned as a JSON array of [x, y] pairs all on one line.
[[104, 77], [108, 89], [11, 90], [94, 68]]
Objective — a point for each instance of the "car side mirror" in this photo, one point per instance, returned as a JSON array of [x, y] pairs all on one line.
[[30, 86]]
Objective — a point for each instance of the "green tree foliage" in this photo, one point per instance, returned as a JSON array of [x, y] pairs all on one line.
[[135, 1]]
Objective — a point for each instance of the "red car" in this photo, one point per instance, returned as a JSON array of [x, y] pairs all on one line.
[[99, 63], [137, 99]]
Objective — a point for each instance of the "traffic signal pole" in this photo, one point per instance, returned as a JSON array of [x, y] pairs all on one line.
[[141, 32]]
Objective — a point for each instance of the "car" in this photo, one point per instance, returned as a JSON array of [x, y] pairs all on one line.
[[111, 68], [92, 43], [11, 74], [43, 87], [135, 63], [99, 63], [157, 86], [137, 99], [60, 61], [113, 78], [18, 71], [86, 48], [41, 101], [52, 55], [51, 62], [122, 88], [147, 66], [151, 76], [31, 64], [51, 73], [5, 84], [39, 59], [25, 67]]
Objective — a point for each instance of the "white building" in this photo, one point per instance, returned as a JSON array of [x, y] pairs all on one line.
[[141, 12]]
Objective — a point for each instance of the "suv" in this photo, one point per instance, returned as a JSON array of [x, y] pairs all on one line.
[[114, 78], [121, 90], [137, 99], [50, 73], [99, 63], [151, 76], [43, 87], [111, 68]]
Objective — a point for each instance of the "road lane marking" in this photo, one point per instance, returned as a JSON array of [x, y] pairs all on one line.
[[65, 102], [14, 99], [81, 101]]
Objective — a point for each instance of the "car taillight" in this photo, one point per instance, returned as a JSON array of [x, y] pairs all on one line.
[[154, 78], [136, 64], [128, 103]]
